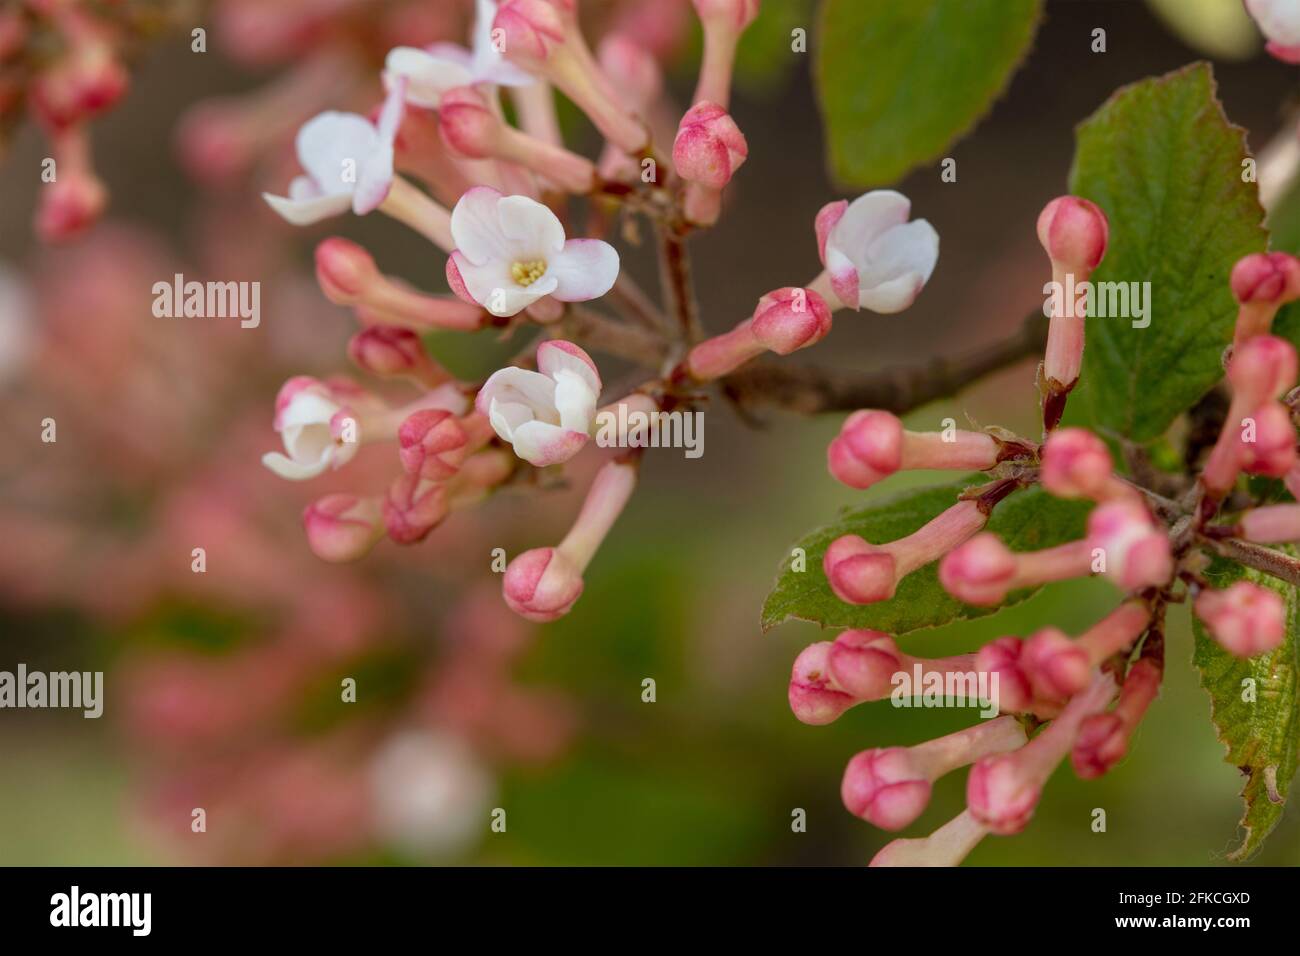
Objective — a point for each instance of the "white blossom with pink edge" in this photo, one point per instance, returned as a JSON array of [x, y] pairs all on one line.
[[547, 415], [440, 67], [511, 251], [1279, 21], [347, 161], [873, 256]]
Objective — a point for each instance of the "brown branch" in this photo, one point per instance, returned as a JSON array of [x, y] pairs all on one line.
[[810, 390], [1275, 563], [679, 291], [594, 331]]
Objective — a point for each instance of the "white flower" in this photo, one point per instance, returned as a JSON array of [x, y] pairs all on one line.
[[430, 795], [511, 251], [440, 67], [348, 162], [1279, 20], [319, 432], [875, 258], [546, 415]]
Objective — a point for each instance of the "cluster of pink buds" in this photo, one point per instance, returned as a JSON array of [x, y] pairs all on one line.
[[491, 184], [63, 63], [1094, 689]]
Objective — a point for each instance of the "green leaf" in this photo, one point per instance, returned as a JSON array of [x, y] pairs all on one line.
[[1262, 737], [899, 83], [1028, 521], [1165, 164]]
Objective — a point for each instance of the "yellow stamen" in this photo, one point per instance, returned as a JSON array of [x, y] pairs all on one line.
[[526, 273]]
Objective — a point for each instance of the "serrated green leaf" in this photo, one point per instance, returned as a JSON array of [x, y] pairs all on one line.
[[1262, 737], [1027, 521], [899, 83], [1165, 164]]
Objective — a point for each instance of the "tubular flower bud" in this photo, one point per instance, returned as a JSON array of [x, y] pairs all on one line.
[[1262, 283], [874, 258], [946, 846], [1136, 552], [432, 444], [1056, 666], [1271, 524], [544, 584], [1279, 21], [862, 663], [872, 445], [638, 81], [471, 128], [1003, 658], [1273, 451], [863, 573], [348, 276], [709, 147], [1074, 233], [547, 415], [343, 527], [393, 352], [413, 507], [784, 321], [511, 252], [984, 570], [723, 21], [1103, 738], [1077, 464], [348, 164], [815, 697], [890, 787], [85, 80], [76, 200], [1263, 368], [1245, 618], [543, 38], [1003, 791]]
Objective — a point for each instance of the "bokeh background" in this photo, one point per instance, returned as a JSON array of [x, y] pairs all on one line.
[[222, 687]]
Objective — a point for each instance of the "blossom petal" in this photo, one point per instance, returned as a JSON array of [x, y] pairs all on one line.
[[505, 417], [476, 227], [892, 296], [487, 63], [584, 269], [575, 401], [556, 355], [844, 277], [827, 219], [531, 227], [542, 444], [430, 74], [912, 248], [292, 470], [332, 148], [867, 217], [522, 386], [304, 212]]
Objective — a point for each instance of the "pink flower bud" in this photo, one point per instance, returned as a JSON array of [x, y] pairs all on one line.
[[389, 351], [1262, 368], [343, 527], [1057, 668], [1077, 464], [863, 663], [868, 448], [815, 698], [631, 68], [885, 787], [709, 147], [1136, 552], [1245, 618], [542, 585], [344, 270], [531, 30], [1074, 233], [981, 571], [413, 507], [1103, 738], [432, 444], [790, 319], [69, 206], [1003, 791], [864, 573], [724, 21], [1273, 450], [467, 124], [1262, 283], [890, 787], [1271, 524], [1003, 658]]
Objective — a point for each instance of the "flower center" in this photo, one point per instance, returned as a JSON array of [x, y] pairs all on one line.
[[526, 273]]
